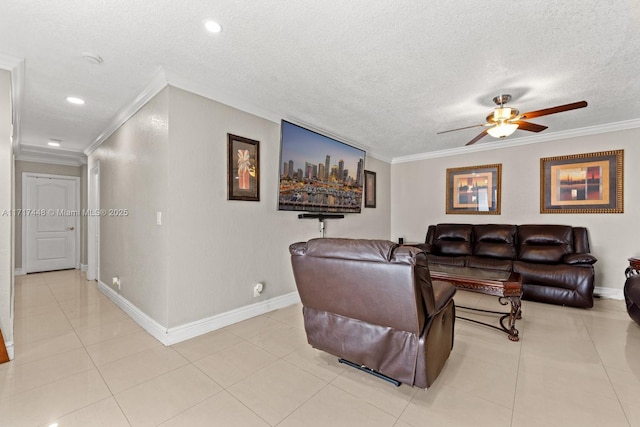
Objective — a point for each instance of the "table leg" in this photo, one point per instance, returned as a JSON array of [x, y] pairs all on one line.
[[516, 313]]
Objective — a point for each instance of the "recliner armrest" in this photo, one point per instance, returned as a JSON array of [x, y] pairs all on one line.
[[425, 247], [573, 259], [442, 293]]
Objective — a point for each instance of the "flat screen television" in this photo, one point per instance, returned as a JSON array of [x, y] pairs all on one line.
[[318, 173]]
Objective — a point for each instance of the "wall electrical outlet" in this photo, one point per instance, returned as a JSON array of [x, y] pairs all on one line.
[[257, 289], [116, 282]]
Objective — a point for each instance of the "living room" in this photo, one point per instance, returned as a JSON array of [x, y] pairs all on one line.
[[195, 272]]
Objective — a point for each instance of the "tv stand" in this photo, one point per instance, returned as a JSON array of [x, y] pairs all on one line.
[[320, 217]]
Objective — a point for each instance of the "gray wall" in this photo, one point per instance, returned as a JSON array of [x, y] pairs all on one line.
[[209, 252], [36, 167], [218, 248], [134, 172], [418, 197], [6, 202]]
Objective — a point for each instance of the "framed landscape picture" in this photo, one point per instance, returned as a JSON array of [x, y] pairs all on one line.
[[243, 169], [582, 183], [474, 190]]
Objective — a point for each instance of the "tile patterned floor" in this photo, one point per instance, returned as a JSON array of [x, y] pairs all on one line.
[[80, 361]]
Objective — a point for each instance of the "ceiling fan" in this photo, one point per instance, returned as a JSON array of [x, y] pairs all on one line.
[[504, 121]]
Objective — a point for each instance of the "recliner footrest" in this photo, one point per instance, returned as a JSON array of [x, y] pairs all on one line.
[[370, 372]]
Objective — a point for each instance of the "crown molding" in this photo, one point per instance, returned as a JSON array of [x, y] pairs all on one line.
[[181, 82], [32, 153], [341, 139], [534, 139], [158, 83], [16, 67], [208, 92]]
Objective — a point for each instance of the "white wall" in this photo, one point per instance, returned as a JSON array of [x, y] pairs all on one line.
[[219, 248], [134, 176], [418, 197], [209, 252], [6, 202]]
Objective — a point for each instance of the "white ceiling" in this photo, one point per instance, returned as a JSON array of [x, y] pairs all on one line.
[[383, 75]]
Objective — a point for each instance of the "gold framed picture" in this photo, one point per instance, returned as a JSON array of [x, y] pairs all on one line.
[[474, 190], [582, 183]]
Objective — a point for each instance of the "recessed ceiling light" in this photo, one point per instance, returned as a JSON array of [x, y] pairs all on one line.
[[54, 142], [212, 26], [74, 100]]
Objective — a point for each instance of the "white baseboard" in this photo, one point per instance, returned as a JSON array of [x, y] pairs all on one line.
[[610, 293], [199, 327], [158, 331], [10, 349], [19, 272], [170, 336], [84, 267]]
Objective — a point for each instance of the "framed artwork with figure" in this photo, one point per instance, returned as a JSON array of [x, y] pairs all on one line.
[[243, 168], [369, 189], [474, 190]]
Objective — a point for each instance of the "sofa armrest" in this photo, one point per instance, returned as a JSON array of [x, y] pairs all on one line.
[[573, 259], [424, 247]]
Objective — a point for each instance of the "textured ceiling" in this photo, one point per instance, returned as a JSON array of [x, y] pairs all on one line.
[[384, 75]]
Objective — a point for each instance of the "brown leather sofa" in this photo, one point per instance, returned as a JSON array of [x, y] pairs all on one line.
[[373, 303], [632, 297], [553, 260]]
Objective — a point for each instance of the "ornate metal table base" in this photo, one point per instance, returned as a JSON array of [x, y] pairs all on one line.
[[515, 313], [506, 285]]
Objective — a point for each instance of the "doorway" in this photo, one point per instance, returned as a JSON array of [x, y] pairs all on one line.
[[50, 222]]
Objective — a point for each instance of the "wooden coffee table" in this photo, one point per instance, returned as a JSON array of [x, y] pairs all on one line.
[[506, 285]]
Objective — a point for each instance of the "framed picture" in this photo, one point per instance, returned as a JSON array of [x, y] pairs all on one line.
[[243, 169], [582, 183], [369, 189], [474, 190]]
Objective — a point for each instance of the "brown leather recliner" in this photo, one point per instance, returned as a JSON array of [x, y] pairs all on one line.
[[373, 303]]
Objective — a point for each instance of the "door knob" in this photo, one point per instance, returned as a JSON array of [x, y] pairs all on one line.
[[72, 228]]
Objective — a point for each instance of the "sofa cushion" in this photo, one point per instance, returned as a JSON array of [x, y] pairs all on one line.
[[544, 243], [495, 241], [458, 261], [489, 263], [453, 239], [558, 284]]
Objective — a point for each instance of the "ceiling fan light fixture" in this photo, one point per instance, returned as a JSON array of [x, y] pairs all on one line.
[[500, 114], [502, 130]]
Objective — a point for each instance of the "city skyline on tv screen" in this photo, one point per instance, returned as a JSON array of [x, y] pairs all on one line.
[[319, 173]]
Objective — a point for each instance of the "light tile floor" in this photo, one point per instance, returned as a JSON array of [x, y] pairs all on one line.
[[80, 361]]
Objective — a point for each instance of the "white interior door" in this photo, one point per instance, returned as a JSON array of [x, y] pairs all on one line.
[[50, 219]]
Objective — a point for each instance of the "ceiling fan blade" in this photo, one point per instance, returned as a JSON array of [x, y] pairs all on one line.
[[553, 110], [477, 138], [466, 127], [531, 127]]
